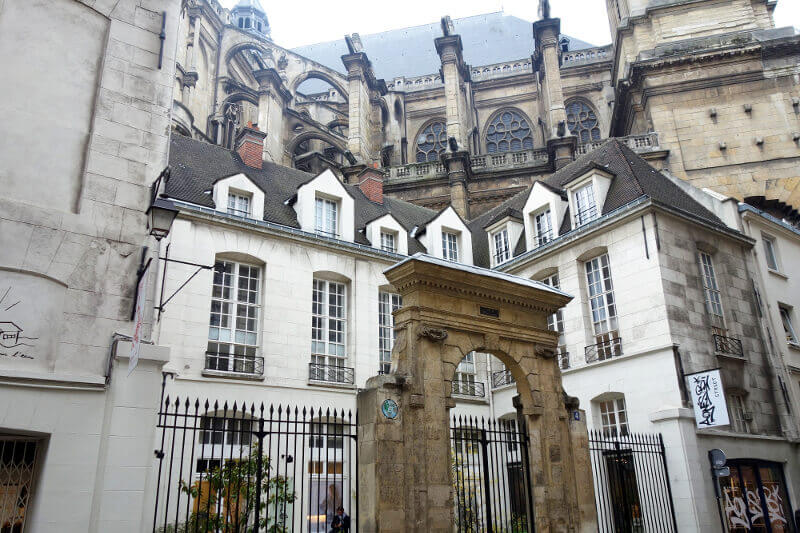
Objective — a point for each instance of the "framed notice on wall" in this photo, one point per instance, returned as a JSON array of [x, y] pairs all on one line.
[[708, 398]]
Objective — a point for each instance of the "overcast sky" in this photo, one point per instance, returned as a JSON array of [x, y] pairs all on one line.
[[295, 23]]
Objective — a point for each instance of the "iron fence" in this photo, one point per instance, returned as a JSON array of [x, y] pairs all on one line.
[[247, 468], [331, 373], [467, 388], [631, 483], [728, 345], [491, 476], [17, 474]]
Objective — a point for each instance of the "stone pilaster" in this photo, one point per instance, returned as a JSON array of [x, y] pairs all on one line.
[[562, 150], [458, 173], [351, 173], [547, 60], [454, 73], [364, 112], [272, 99]]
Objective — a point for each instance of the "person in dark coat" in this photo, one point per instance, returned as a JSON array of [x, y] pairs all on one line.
[[340, 522]]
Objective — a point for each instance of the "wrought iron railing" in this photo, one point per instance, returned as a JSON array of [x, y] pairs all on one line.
[[465, 388], [331, 373], [544, 238], [603, 350], [238, 212], [585, 216], [501, 378], [728, 345], [235, 364]]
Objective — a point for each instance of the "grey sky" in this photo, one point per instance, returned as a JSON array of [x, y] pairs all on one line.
[[298, 23]]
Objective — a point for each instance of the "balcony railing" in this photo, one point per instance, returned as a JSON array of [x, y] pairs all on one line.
[[522, 158], [544, 238], [728, 345], [638, 143], [236, 364], [603, 350], [501, 378], [465, 388], [331, 374], [585, 216]]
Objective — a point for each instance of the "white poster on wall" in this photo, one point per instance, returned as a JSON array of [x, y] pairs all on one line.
[[708, 398], [138, 328]]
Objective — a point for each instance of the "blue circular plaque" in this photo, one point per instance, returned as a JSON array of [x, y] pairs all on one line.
[[389, 408]]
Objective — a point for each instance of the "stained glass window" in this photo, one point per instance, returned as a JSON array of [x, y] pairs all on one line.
[[432, 142], [582, 122], [508, 132]]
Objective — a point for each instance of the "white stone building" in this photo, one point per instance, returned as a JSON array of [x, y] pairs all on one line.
[[662, 288], [87, 86]]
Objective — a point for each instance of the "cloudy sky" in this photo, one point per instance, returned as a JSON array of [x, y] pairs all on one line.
[[313, 21]]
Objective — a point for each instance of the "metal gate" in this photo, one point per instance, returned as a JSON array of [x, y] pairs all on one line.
[[631, 483], [247, 468], [491, 476]]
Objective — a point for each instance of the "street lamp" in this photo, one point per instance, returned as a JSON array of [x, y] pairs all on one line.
[[160, 215]]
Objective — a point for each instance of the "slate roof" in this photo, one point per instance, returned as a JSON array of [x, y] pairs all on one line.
[[487, 39], [197, 165], [633, 178]]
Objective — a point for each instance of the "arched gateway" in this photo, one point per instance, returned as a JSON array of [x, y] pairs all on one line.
[[450, 310]]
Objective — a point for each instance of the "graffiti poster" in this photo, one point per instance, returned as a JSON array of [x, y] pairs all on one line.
[[708, 398]]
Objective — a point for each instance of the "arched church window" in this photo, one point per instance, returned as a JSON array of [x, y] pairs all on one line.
[[508, 131], [582, 121], [432, 142]]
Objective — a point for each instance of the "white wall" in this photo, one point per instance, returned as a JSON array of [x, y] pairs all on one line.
[[239, 183], [448, 220], [325, 185], [542, 199], [388, 223]]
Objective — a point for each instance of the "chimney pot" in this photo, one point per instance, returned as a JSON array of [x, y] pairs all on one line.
[[250, 146]]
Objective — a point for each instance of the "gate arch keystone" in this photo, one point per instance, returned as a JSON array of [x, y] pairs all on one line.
[[448, 311]]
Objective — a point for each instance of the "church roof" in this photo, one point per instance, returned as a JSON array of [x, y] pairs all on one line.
[[487, 39], [249, 4]]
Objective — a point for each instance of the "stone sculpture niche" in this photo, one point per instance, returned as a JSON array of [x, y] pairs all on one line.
[[448, 311]]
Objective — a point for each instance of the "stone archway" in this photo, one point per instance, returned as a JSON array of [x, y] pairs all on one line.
[[449, 310]]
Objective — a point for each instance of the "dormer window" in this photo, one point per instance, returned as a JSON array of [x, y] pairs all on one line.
[[502, 248], [449, 246], [326, 217], [388, 241], [585, 205], [544, 227], [238, 204]]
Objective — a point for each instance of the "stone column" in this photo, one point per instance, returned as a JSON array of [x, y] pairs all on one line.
[[364, 113], [272, 99], [548, 61], [454, 73], [458, 173]]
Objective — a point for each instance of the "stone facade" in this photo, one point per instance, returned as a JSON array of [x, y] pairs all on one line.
[[76, 171]]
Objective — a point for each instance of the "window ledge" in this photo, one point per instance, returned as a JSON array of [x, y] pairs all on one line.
[[331, 384], [470, 399], [232, 375], [730, 356], [711, 432], [777, 273]]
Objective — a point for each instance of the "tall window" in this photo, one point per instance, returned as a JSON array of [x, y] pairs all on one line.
[[585, 205], [432, 142], [555, 322], [233, 330], [449, 246], [238, 204], [502, 250], [544, 228], [220, 430], [739, 417], [769, 252], [788, 327], [613, 418], [711, 290], [582, 122], [326, 217], [509, 131], [387, 304], [327, 329], [603, 307], [388, 242], [464, 382]]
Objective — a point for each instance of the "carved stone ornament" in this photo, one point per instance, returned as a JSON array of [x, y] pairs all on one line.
[[570, 402], [433, 334], [545, 352], [283, 62]]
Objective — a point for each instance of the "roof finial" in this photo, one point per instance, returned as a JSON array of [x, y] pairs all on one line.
[[447, 26], [354, 43], [544, 9]]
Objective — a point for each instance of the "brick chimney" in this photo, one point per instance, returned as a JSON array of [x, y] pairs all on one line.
[[371, 184], [250, 145]]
